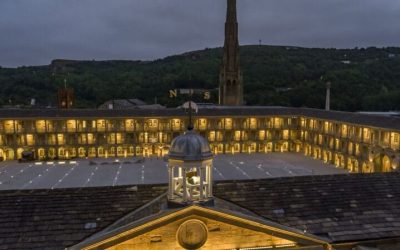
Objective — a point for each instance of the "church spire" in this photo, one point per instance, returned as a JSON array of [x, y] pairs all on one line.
[[231, 80], [231, 12]]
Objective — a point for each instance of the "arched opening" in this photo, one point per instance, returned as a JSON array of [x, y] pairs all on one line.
[[52, 153], [131, 151], [100, 151], [139, 151], [349, 165], [111, 152], [19, 153], [386, 164], [338, 160], [41, 154], [326, 157], [298, 147], [2, 158], [366, 168], [92, 152], [146, 151], [236, 147], [81, 152], [356, 168], [316, 154], [215, 150], [220, 148], [269, 147], [307, 150], [9, 154], [284, 147], [70, 153], [61, 153], [121, 152]]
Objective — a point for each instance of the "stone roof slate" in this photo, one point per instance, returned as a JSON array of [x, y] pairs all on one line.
[[338, 207], [55, 219]]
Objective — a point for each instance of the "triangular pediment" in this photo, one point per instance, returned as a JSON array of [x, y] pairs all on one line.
[[193, 226]]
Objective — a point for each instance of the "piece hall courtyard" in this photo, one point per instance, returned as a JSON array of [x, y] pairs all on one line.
[[223, 175]]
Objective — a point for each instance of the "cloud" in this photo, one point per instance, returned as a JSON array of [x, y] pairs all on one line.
[[35, 32]]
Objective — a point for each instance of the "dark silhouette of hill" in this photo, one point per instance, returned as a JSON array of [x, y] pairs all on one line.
[[362, 79]]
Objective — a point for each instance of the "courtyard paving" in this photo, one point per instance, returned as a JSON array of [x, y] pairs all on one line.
[[132, 171]]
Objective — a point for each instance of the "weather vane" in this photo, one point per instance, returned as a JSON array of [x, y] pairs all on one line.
[[189, 106]]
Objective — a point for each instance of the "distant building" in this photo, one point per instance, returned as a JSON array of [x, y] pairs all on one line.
[[65, 97], [388, 113], [129, 104], [357, 142]]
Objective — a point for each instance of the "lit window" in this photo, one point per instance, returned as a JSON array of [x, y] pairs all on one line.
[[30, 140], [71, 125], [60, 139], [202, 124], [9, 126], [129, 125], [366, 133], [152, 123], [40, 126], [228, 123], [261, 135], [90, 138], [176, 124], [211, 136], [277, 122], [285, 134], [252, 123], [237, 135]]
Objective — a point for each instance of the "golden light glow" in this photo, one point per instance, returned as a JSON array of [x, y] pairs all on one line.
[[60, 139], [71, 126], [40, 126], [169, 221], [9, 126], [30, 140]]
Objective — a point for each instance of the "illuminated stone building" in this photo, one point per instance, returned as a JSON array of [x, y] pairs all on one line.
[[358, 142], [348, 212]]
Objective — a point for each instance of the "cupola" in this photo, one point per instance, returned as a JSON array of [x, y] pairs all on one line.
[[190, 165]]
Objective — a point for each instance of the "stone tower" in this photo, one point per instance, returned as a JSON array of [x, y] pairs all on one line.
[[231, 79]]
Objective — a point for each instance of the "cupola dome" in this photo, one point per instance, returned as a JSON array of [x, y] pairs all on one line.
[[190, 147]]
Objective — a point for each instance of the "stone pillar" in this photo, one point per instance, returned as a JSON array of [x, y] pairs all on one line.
[[184, 189], [210, 181], [171, 185], [201, 183]]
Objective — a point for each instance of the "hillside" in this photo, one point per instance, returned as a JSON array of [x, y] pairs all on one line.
[[362, 79]]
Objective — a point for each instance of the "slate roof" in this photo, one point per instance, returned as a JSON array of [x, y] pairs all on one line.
[[55, 219], [389, 122], [341, 208]]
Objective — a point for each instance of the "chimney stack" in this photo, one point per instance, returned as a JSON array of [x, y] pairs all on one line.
[[328, 96]]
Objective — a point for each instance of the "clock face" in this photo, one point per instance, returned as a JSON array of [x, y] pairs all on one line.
[[192, 234]]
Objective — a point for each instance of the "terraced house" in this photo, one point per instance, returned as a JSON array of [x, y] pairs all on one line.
[[357, 142]]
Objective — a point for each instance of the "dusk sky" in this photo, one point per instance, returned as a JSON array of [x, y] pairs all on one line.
[[33, 32]]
